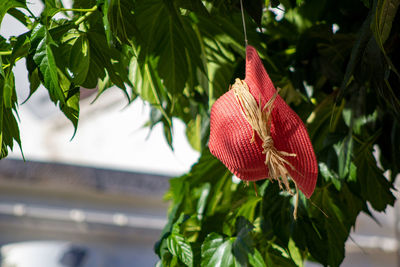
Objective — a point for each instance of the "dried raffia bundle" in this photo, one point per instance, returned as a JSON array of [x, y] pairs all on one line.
[[258, 136]]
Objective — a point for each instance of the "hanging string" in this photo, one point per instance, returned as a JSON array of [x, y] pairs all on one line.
[[244, 23]]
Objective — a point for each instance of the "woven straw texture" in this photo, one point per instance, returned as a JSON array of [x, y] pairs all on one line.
[[231, 134]]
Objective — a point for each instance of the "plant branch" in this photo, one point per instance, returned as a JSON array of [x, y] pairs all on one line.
[[5, 53], [84, 17], [94, 8]]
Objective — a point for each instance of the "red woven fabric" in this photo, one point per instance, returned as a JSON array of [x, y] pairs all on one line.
[[231, 134]]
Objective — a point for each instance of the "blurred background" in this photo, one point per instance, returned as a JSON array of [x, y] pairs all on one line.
[[97, 200]]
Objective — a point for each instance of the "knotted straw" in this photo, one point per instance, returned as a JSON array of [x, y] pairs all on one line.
[[260, 120]]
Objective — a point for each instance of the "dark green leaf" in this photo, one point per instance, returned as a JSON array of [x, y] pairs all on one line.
[[168, 134], [121, 20], [371, 180], [9, 94], [242, 247], [168, 35], [196, 6], [344, 151], [363, 38], [21, 48], [5, 5], [335, 230], [254, 9], [51, 7], [384, 16], [34, 82], [79, 59], [101, 57], [20, 16], [44, 58], [71, 107], [9, 131], [276, 256]]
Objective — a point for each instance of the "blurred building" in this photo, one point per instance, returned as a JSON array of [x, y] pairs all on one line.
[[63, 215]]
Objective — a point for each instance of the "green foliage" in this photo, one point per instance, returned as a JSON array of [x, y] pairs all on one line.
[[180, 56]]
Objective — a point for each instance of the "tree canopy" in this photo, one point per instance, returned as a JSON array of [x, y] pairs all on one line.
[[336, 63]]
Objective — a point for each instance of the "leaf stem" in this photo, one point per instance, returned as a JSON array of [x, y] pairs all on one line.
[[5, 53], [94, 8], [30, 13], [156, 96], [84, 17], [8, 65]]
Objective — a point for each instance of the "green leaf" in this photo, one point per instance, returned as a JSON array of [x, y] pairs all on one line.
[[276, 213], [180, 248], [371, 181], [9, 94], [101, 56], [168, 133], [276, 256], [363, 38], [216, 251], [79, 60], [20, 48], [344, 151], [71, 107], [329, 175], [254, 9], [333, 229], [143, 81], [193, 132], [5, 5], [201, 204], [256, 259], [248, 209], [34, 82], [155, 89], [95, 72], [104, 6], [384, 16], [275, 3], [196, 6], [51, 7], [120, 18], [44, 58], [85, 3], [167, 34], [20, 16], [295, 253], [9, 130], [242, 247]]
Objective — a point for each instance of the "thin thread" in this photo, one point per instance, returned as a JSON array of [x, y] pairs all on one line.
[[244, 23], [315, 205], [255, 188]]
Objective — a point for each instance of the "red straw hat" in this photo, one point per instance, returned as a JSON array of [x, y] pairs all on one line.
[[231, 133]]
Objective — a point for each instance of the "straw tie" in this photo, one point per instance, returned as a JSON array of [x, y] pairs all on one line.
[[260, 120]]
